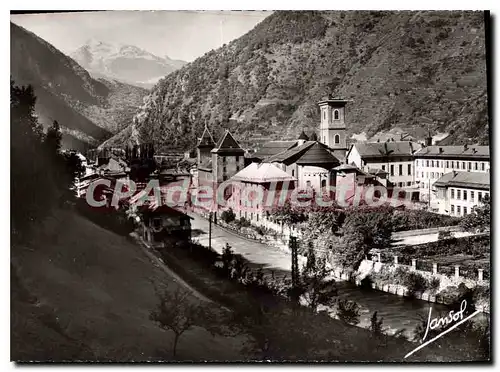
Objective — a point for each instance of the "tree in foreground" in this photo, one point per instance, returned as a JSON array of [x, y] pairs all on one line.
[[316, 285], [376, 325], [176, 313], [362, 231]]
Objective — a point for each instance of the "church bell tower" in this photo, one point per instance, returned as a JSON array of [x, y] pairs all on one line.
[[333, 128]]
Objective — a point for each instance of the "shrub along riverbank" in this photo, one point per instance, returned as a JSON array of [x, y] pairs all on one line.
[[255, 297]]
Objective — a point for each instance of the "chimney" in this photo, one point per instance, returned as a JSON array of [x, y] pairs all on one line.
[[465, 147], [440, 150]]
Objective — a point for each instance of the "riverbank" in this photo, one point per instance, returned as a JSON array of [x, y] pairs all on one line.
[[446, 293], [398, 313]]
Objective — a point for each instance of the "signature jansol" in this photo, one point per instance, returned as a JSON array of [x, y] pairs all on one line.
[[453, 316]]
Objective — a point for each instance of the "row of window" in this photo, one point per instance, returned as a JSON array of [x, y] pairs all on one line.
[[400, 169], [452, 164], [462, 195], [458, 210], [432, 174], [251, 216]]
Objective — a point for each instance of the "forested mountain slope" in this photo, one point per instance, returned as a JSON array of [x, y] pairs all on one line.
[[410, 70]]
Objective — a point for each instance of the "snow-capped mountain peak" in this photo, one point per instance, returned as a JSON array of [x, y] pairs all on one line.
[[124, 62]]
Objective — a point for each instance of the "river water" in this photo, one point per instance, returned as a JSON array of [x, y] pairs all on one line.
[[397, 312]]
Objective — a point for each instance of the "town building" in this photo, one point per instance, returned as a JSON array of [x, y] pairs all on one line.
[[354, 186], [433, 162], [217, 162], [395, 158], [257, 189], [458, 192], [310, 162]]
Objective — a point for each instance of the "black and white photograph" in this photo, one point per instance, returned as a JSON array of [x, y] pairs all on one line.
[[250, 186]]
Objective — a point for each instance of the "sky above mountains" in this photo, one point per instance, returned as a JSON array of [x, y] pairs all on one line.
[[183, 35]]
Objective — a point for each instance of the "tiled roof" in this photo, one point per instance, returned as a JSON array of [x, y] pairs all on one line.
[[345, 167], [386, 149], [318, 153], [227, 143], [273, 147], [462, 152], [289, 155], [478, 180], [349, 167], [206, 139], [262, 173], [309, 153]]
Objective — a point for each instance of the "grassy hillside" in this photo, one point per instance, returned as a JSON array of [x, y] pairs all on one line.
[[89, 110], [401, 69], [82, 292]]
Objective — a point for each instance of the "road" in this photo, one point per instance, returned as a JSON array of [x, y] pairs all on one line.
[[428, 238], [267, 257]]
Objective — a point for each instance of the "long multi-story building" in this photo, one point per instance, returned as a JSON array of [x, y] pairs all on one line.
[[395, 158], [457, 193], [433, 162]]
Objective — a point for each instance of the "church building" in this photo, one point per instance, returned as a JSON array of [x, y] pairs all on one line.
[[333, 125]]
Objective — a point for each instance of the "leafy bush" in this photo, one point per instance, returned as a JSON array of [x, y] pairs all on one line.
[[434, 284], [480, 218], [228, 216], [348, 311], [260, 230], [376, 325], [243, 222], [415, 220], [415, 282]]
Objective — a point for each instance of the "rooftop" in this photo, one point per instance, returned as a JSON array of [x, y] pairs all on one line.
[[227, 143], [272, 148], [465, 151], [477, 180], [206, 139], [310, 152], [386, 149], [262, 173]]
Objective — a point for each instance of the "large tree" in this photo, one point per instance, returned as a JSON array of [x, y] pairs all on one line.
[[316, 285], [479, 220]]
